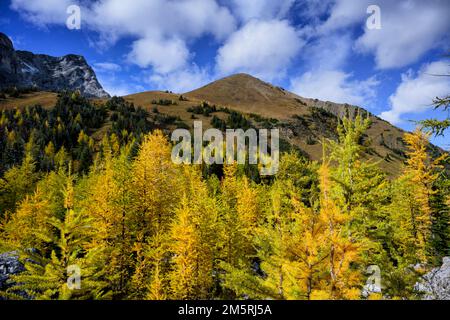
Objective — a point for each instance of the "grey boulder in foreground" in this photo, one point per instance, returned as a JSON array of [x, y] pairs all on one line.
[[436, 284]]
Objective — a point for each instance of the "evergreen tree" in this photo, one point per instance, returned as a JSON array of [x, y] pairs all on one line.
[[48, 277], [361, 191], [193, 235], [109, 205], [17, 183], [413, 212], [344, 249], [156, 191]]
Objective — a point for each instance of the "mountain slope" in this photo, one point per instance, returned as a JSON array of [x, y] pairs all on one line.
[[44, 98], [303, 122], [26, 69], [248, 94]]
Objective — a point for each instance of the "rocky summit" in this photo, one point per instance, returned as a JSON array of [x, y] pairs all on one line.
[[26, 69]]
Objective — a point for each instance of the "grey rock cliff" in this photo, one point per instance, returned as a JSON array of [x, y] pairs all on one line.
[[26, 69], [436, 284]]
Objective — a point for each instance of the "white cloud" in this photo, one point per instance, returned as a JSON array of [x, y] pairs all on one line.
[[107, 67], [42, 12], [417, 90], [326, 56], [344, 13], [336, 86], [328, 52], [187, 18], [181, 81], [179, 19], [409, 30], [261, 9], [261, 48], [164, 56], [312, 10]]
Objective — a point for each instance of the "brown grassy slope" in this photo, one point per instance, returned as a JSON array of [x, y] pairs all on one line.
[[250, 95], [247, 94], [144, 99], [45, 99]]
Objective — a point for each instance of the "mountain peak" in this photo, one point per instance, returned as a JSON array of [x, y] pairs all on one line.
[[5, 41], [246, 92], [241, 76], [26, 69]]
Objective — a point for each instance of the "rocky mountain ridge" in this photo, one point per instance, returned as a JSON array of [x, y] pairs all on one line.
[[26, 69]]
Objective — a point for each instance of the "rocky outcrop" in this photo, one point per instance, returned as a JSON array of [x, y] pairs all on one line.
[[435, 285], [9, 265], [8, 62], [26, 69]]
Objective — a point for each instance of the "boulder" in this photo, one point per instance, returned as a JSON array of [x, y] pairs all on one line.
[[9, 265], [435, 285]]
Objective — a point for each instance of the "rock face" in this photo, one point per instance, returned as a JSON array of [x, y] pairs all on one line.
[[26, 69], [8, 62], [436, 283], [9, 265]]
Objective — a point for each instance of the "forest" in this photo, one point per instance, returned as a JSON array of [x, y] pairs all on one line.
[[93, 186]]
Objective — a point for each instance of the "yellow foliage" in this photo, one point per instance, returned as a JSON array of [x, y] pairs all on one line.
[[412, 209]]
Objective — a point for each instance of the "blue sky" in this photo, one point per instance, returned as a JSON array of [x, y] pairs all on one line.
[[318, 49]]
